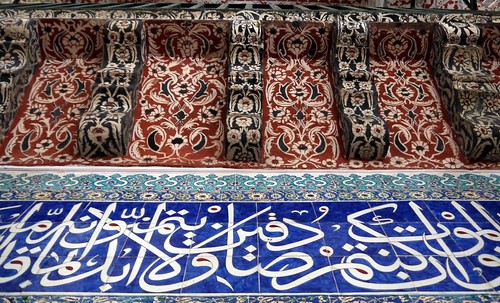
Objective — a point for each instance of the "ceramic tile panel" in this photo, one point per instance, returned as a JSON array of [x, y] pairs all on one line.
[[248, 248]]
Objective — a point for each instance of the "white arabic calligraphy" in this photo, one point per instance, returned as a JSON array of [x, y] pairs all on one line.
[[152, 246]]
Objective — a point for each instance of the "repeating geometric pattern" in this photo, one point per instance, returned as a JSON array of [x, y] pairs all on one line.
[[106, 127], [45, 128], [365, 134], [471, 94], [19, 56], [182, 100], [300, 124]]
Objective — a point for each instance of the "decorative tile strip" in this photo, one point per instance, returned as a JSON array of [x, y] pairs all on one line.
[[273, 187]]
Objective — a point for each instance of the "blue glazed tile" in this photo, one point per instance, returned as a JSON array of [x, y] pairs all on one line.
[[223, 239], [83, 240], [403, 211], [17, 277], [167, 240], [464, 211], [290, 237], [182, 211], [61, 239], [128, 212], [53, 211], [297, 211], [121, 277], [73, 275], [52, 275], [206, 274], [434, 273], [296, 273], [491, 209], [366, 238], [361, 273], [480, 238], [239, 212], [339, 211], [414, 238], [153, 275], [236, 264], [14, 240], [487, 266], [11, 211], [76, 237]]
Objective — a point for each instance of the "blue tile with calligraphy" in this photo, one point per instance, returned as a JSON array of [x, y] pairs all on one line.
[[61, 241], [249, 247]]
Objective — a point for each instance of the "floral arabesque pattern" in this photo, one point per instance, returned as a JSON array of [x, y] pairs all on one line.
[[12, 150], [244, 121], [483, 5], [490, 43], [365, 135], [106, 127], [409, 100], [18, 58], [44, 131], [471, 94], [300, 124], [182, 100]]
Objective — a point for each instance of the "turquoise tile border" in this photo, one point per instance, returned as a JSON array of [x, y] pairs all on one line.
[[241, 187]]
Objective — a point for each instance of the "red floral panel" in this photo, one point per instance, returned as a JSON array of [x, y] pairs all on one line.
[[409, 98], [62, 39], [182, 103], [44, 131], [300, 124]]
